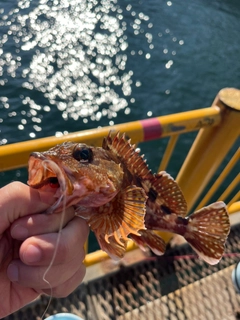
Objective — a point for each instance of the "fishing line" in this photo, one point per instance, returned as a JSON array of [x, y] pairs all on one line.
[[52, 166]]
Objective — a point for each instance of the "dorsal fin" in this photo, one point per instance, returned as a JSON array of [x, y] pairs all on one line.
[[167, 189], [124, 150], [163, 191]]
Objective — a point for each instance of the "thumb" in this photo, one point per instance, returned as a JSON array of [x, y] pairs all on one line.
[[18, 200]]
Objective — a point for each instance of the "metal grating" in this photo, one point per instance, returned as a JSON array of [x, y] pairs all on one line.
[[176, 286]]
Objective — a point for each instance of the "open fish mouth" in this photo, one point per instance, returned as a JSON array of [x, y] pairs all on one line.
[[45, 173]]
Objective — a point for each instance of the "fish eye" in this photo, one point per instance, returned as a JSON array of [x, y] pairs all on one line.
[[82, 154]]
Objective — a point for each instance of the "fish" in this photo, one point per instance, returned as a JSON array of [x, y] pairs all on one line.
[[113, 189]]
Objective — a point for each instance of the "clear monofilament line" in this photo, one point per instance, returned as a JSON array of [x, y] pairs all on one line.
[[52, 166]]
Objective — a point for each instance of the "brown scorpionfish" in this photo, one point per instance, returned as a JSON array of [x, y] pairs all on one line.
[[120, 198]]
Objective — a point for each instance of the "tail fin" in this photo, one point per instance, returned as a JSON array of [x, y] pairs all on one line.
[[207, 231]]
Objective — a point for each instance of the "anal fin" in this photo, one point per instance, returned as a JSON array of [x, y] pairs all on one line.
[[150, 239]]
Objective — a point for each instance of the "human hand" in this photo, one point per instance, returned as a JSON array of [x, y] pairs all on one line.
[[27, 243]]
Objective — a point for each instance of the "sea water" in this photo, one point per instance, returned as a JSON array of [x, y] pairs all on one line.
[[69, 65]]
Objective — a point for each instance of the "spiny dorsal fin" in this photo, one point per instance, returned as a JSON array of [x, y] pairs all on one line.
[[161, 186], [127, 154]]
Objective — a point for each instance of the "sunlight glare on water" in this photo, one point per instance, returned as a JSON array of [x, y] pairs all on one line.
[[78, 60], [69, 65], [73, 53], [79, 65]]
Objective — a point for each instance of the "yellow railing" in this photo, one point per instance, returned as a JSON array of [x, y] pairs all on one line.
[[16, 155], [219, 129], [210, 147]]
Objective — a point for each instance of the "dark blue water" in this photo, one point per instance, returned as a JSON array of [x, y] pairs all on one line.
[[74, 64]]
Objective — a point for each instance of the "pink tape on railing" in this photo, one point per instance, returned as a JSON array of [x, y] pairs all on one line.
[[152, 128]]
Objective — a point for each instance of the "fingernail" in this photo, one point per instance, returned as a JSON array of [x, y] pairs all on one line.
[[19, 232], [12, 272], [32, 254]]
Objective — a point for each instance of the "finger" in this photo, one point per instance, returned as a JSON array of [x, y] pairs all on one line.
[[68, 286], [41, 223], [69, 258], [18, 200], [39, 250], [40, 278]]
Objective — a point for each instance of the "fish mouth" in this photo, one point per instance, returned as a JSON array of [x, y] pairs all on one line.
[[45, 172]]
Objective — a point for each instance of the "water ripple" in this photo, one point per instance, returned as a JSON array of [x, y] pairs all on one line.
[[74, 54]]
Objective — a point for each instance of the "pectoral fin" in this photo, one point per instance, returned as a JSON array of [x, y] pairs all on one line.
[[120, 217]]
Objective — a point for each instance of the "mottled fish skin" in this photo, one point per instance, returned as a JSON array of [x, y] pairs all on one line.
[[115, 191]]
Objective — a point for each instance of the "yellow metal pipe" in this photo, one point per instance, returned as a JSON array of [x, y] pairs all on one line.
[[234, 199], [234, 208], [16, 155], [168, 152], [189, 121], [230, 188], [220, 179], [210, 147], [95, 257]]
